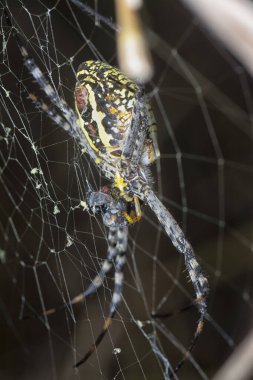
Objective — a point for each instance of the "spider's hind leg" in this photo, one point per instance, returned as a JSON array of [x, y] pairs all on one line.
[[98, 280], [121, 247]]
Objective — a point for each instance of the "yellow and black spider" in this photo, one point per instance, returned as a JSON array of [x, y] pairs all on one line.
[[114, 122]]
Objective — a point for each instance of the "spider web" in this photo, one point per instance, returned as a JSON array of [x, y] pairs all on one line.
[[51, 247]]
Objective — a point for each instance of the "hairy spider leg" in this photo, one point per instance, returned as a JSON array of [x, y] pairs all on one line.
[[46, 87], [57, 118], [121, 247], [138, 130], [134, 145], [178, 239], [52, 114], [98, 280], [174, 312], [134, 127]]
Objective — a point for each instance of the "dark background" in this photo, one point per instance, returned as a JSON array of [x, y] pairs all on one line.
[[202, 101]]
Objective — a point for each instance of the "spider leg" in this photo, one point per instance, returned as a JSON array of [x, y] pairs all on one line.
[[137, 214], [174, 312], [178, 239], [52, 114], [59, 120], [97, 281], [121, 247], [39, 77], [73, 129], [106, 267], [138, 130]]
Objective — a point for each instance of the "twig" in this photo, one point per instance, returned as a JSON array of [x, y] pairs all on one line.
[[239, 366], [232, 22]]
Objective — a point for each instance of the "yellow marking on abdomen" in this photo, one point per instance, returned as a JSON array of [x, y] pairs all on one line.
[[98, 116], [80, 122]]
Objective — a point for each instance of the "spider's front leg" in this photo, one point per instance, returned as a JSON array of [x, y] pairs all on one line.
[[58, 110], [137, 133]]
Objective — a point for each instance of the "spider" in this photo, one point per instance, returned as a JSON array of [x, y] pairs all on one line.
[[113, 121]]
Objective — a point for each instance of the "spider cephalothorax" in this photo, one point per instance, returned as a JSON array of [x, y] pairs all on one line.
[[114, 210], [114, 123]]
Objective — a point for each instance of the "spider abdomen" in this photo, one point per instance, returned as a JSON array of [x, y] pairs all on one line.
[[104, 102]]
